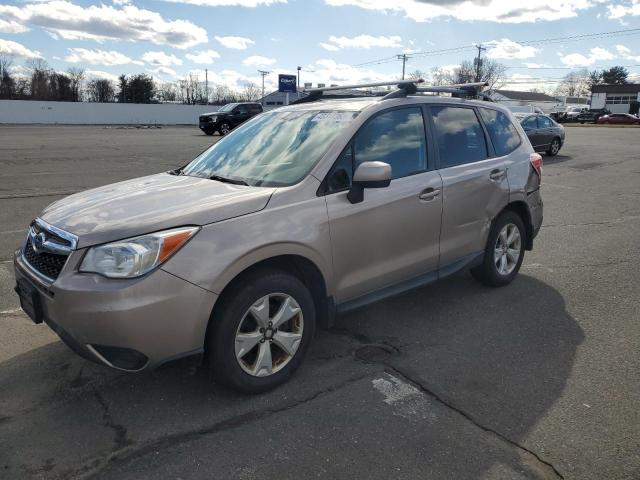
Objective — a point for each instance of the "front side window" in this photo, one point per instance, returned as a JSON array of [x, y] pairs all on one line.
[[273, 149], [530, 123], [395, 137], [503, 134], [460, 136]]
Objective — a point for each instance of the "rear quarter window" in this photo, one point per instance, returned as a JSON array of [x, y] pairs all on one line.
[[503, 133]]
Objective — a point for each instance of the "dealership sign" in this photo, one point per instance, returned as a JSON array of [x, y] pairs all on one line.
[[287, 83]]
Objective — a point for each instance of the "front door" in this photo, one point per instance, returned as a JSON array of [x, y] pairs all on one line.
[[393, 235]]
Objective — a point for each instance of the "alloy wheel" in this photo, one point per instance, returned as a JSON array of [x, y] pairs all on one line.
[[507, 249], [555, 146], [225, 129], [269, 334]]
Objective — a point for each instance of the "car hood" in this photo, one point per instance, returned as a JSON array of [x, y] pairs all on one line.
[[150, 204], [216, 114]]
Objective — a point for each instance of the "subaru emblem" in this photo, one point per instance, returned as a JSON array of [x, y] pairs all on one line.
[[38, 242]]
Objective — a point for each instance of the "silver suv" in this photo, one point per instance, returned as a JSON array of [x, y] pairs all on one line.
[[299, 214]]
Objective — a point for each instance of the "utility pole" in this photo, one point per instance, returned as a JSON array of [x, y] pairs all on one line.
[[206, 84], [402, 57], [264, 73], [479, 61]]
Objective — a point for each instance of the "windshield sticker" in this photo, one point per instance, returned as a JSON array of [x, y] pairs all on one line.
[[333, 117]]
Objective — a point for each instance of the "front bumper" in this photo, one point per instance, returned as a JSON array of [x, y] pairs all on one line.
[[209, 126], [125, 324]]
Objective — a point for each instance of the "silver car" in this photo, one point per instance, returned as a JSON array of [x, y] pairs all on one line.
[[298, 215]]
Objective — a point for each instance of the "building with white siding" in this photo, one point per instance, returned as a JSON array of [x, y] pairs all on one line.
[[615, 98]]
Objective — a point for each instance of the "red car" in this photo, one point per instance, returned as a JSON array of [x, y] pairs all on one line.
[[619, 119]]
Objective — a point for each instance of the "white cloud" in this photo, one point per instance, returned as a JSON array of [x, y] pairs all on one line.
[[535, 65], [105, 22], [362, 41], [579, 60], [621, 10], [98, 57], [525, 83], [14, 48], [204, 57], [502, 11], [258, 61], [230, 3], [161, 58], [11, 26], [166, 71], [626, 53], [509, 50], [99, 74], [237, 43]]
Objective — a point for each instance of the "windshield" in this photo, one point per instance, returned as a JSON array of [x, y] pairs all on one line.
[[228, 107], [273, 149]]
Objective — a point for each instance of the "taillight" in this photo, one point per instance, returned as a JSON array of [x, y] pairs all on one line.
[[536, 163]]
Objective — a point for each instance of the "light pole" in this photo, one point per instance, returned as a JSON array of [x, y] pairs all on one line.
[[264, 73]]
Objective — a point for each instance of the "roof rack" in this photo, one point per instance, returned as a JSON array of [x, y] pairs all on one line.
[[405, 87]]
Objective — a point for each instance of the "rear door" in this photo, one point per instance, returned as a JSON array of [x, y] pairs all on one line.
[[530, 126], [474, 178], [240, 114], [393, 235], [545, 131]]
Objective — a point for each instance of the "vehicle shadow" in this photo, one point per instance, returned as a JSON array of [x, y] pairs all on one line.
[[560, 158], [502, 356]]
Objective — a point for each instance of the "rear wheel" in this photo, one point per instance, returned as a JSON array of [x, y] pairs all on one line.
[[504, 251], [554, 148], [262, 332], [225, 128]]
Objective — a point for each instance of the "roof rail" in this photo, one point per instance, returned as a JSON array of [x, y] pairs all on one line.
[[459, 90]]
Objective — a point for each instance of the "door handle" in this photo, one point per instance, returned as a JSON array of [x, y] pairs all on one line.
[[497, 175], [429, 194]]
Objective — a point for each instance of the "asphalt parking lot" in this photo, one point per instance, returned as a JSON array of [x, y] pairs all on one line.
[[536, 380]]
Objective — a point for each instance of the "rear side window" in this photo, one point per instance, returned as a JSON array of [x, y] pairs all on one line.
[[503, 134], [396, 137], [545, 122], [255, 108], [460, 136]]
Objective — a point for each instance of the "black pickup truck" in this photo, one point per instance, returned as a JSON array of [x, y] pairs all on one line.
[[228, 117], [592, 115]]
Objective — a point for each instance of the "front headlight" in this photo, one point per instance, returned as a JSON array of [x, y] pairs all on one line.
[[214, 119], [135, 256]]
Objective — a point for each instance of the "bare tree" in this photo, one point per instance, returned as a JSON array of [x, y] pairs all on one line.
[[440, 76], [77, 76], [7, 82], [251, 92], [101, 90], [417, 75], [39, 78], [575, 84], [168, 92], [488, 71]]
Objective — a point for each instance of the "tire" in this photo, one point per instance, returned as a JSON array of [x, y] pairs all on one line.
[[554, 148], [581, 123], [488, 272], [244, 365], [224, 129], [209, 132]]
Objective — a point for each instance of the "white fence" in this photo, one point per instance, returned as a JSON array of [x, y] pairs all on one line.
[[80, 113]]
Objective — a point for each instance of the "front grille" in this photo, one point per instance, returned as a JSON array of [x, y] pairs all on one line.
[[205, 119], [48, 264]]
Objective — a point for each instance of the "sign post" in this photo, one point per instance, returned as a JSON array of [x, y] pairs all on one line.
[[287, 85]]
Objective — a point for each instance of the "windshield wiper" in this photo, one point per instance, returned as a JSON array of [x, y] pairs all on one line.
[[220, 178], [177, 171]]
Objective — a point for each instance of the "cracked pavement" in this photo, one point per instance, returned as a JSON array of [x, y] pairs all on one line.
[[453, 380]]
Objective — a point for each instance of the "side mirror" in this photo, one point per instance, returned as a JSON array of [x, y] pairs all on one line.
[[369, 175]]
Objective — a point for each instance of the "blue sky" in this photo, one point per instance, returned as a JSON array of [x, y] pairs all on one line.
[[235, 38]]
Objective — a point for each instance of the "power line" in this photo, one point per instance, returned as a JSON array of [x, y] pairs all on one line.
[[549, 40]]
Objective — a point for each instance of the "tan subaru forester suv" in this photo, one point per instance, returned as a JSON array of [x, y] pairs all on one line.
[[301, 213]]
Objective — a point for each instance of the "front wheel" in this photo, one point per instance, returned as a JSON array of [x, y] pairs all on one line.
[[554, 148], [504, 251], [262, 332]]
